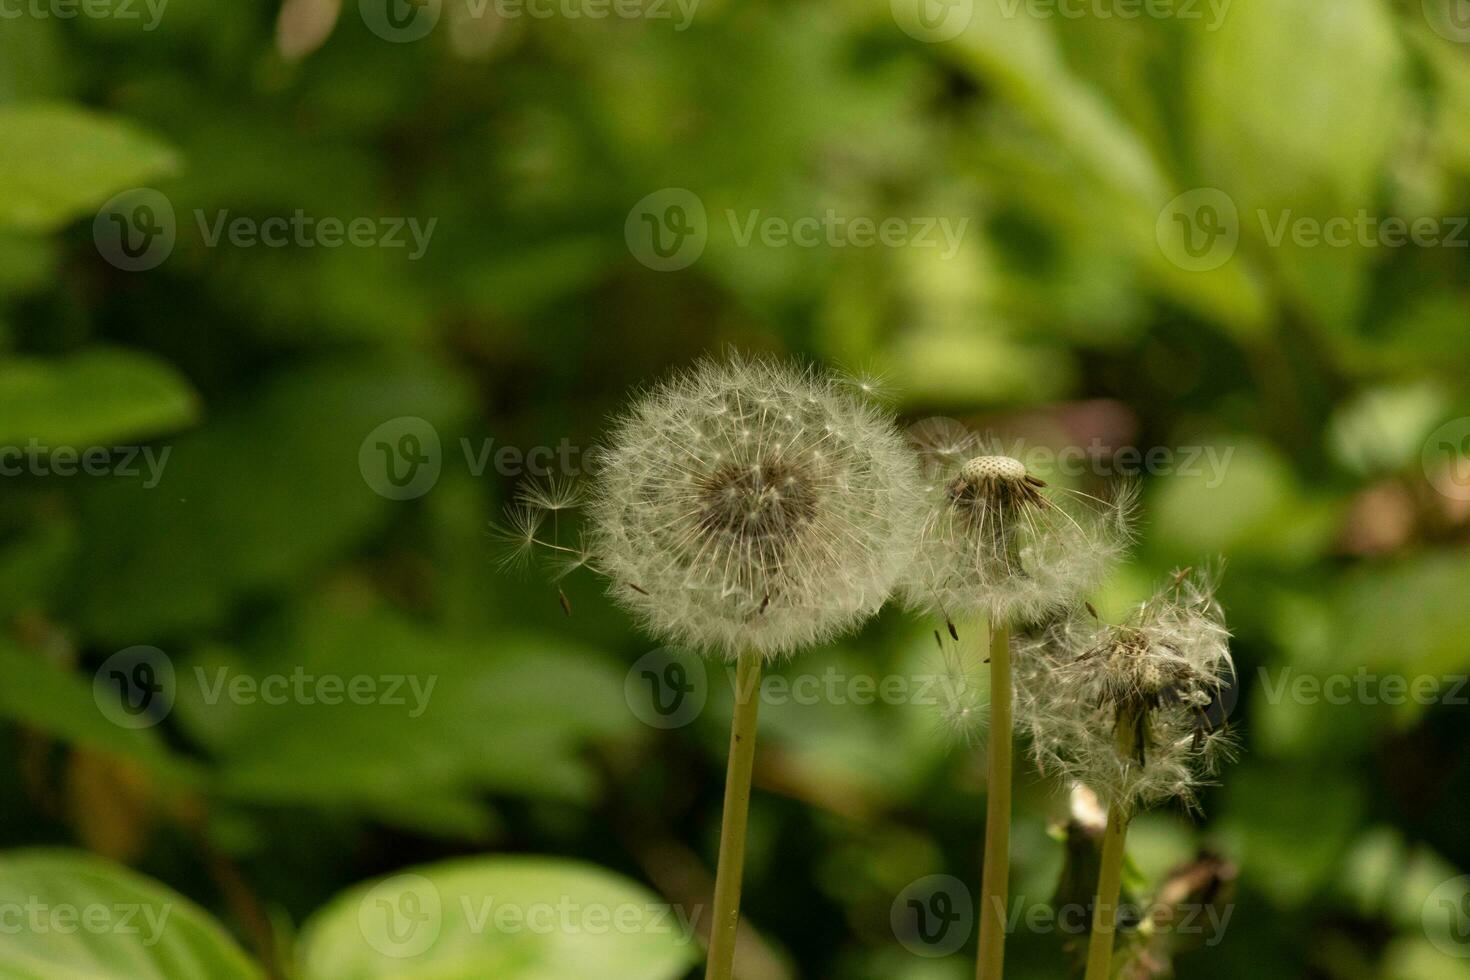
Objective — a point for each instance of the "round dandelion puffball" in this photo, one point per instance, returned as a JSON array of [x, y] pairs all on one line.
[[752, 506], [996, 541]]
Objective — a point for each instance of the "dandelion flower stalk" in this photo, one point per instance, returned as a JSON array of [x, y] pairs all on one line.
[[1110, 873], [999, 542], [997, 867], [731, 870]]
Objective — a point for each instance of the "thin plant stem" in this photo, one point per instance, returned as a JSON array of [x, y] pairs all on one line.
[[1109, 885], [1126, 737], [723, 928], [994, 887]]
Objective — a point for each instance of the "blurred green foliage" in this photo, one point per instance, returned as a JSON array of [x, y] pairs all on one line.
[[1330, 384]]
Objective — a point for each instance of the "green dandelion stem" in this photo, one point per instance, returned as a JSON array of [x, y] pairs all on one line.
[[994, 889], [726, 921]]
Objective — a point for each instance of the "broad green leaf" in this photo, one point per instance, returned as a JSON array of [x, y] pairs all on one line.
[[95, 398], [1238, 498], [1100, 181], [61, 703], [58, 162], [83, 918], [511, 918], [1295, 107], [255, 500], [442, 719]]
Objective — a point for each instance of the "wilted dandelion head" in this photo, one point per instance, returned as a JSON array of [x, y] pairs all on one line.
[[996, 540], [1126, 709], [752, 505]]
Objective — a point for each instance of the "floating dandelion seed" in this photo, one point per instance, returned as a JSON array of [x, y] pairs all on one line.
[[998, 541], [1125, 709]]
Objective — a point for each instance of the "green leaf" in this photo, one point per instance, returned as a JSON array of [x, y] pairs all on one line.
[[1291, 130], [1239, 499], [511, 918], [253, 501], [43, 695], [91, 399], [90, 919], [58, 162], [448, 717]]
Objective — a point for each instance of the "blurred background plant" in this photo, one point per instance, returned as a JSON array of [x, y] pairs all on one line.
[[1114, 233]]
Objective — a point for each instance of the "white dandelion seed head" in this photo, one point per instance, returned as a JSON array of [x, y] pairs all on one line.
[[1123, 709], [997, 541], [752, 505]]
